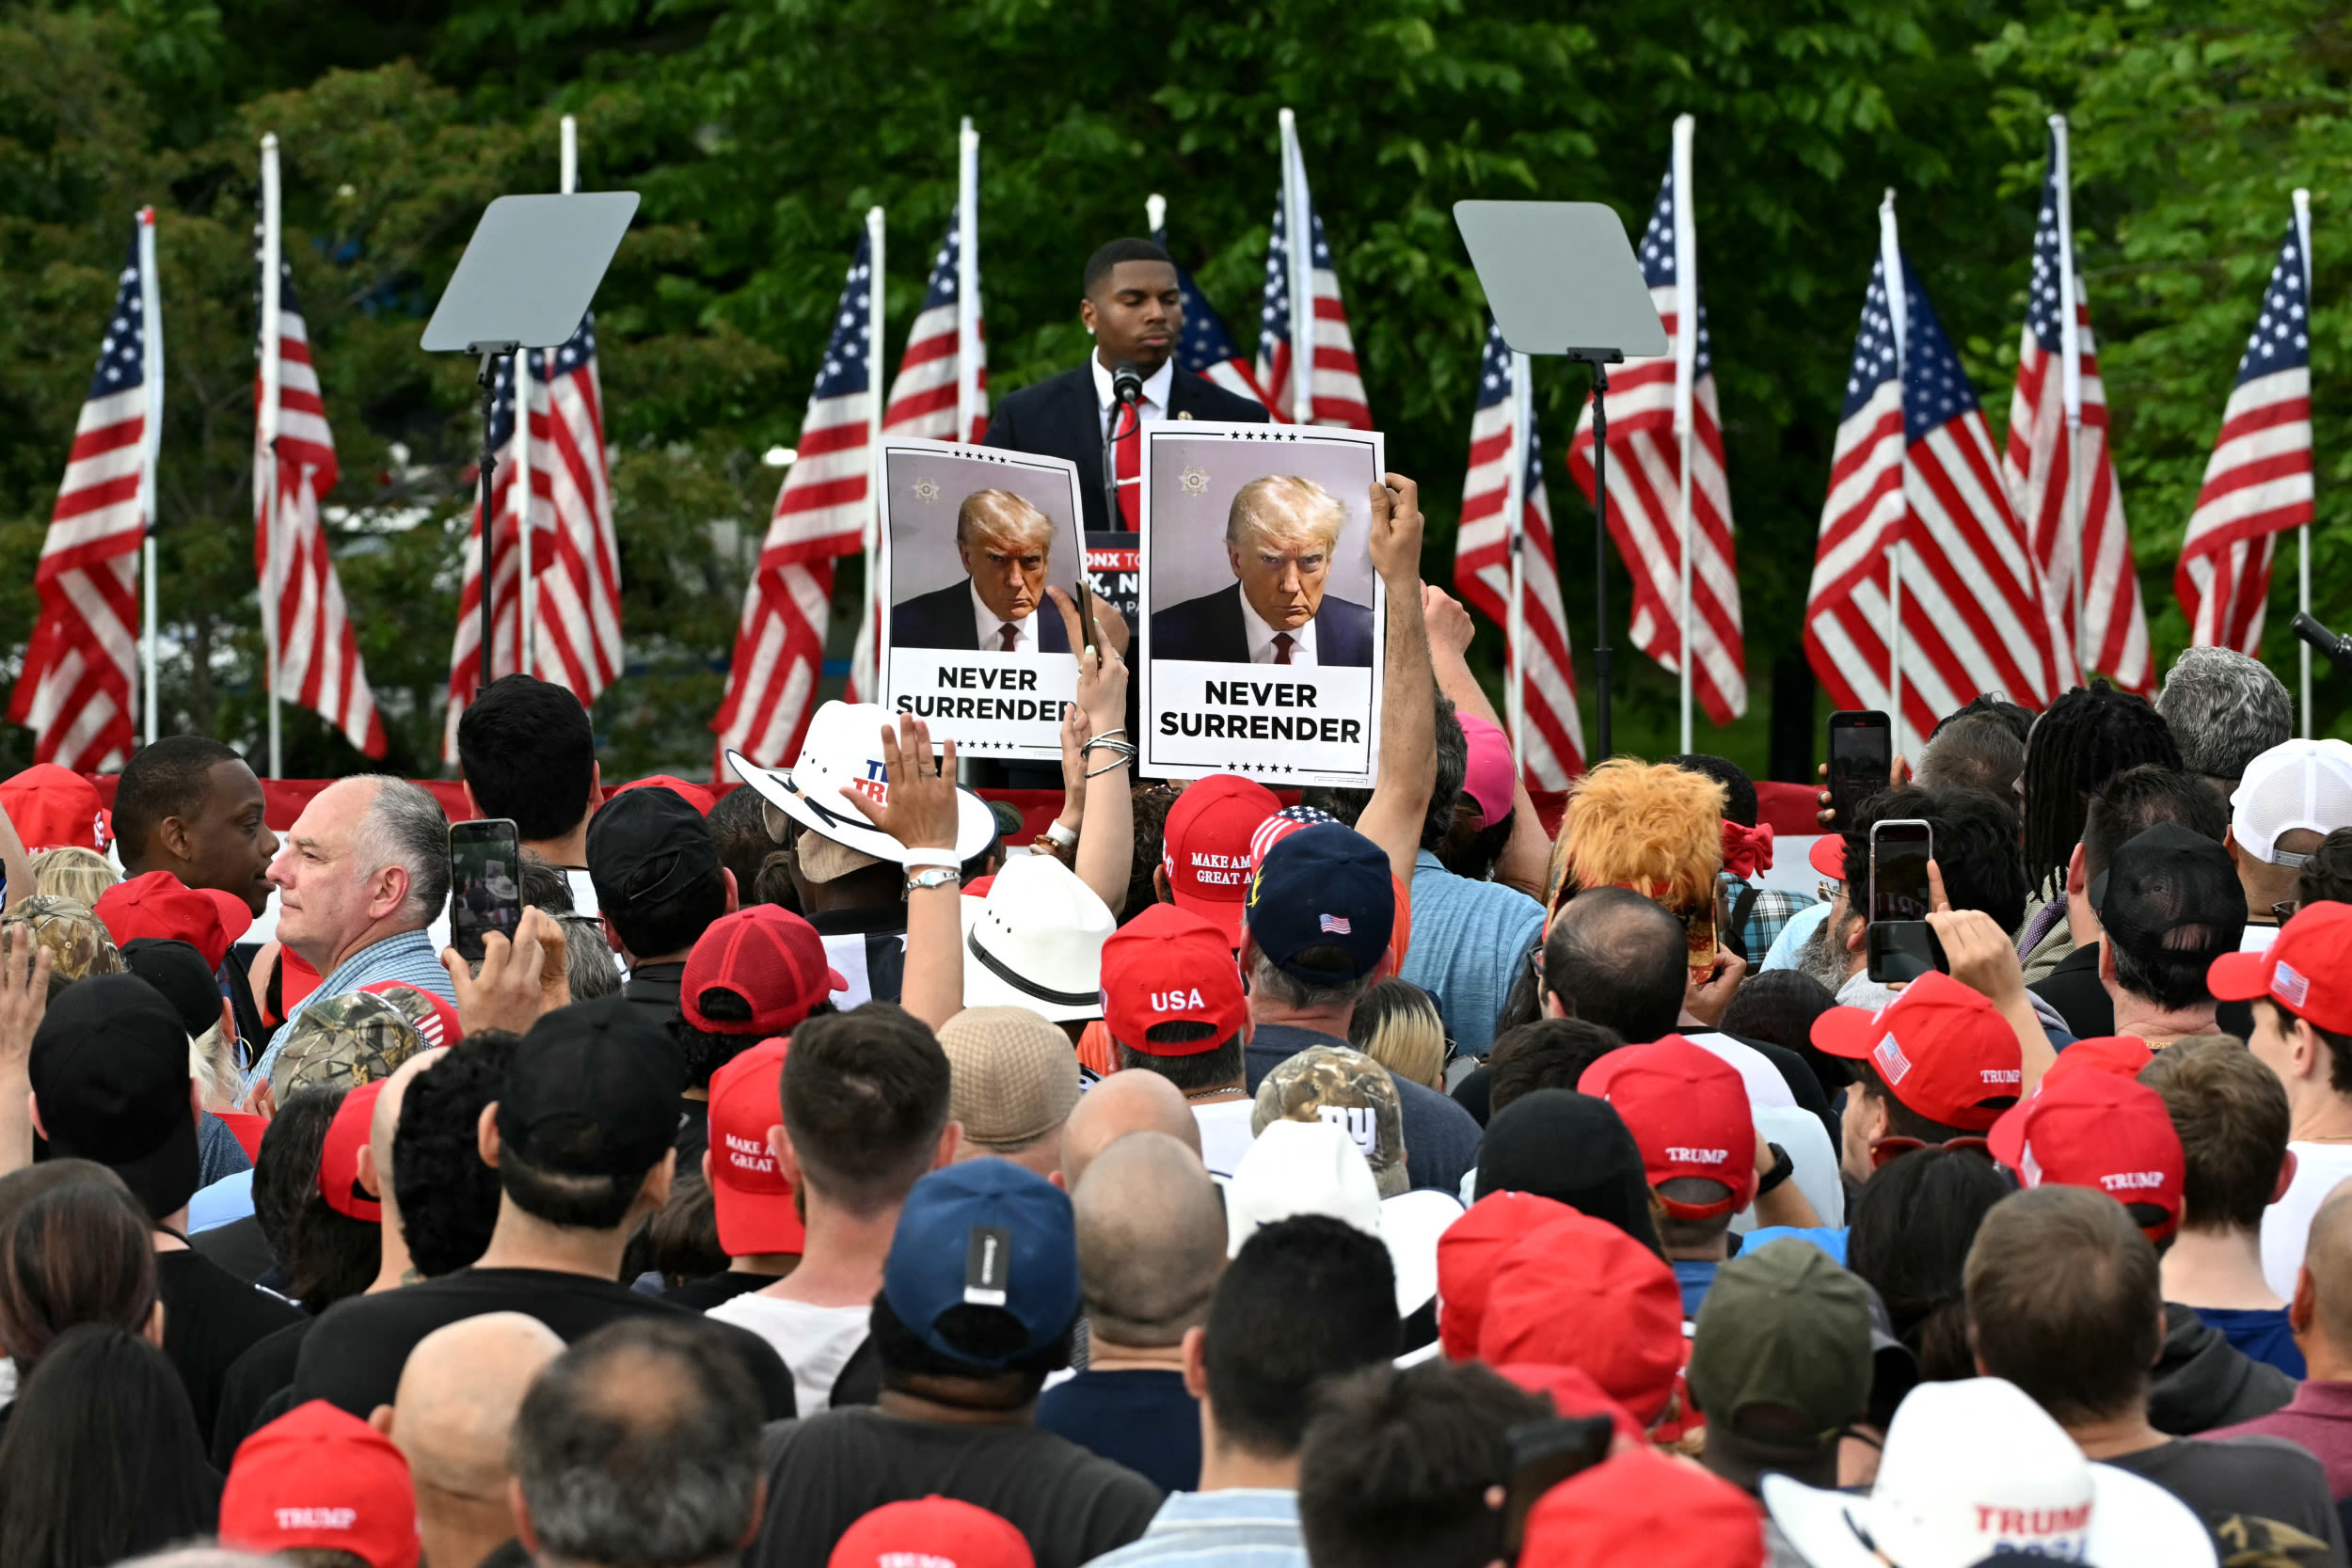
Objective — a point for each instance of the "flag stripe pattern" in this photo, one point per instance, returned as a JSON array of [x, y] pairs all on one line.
[[2258, 482], [1206, 349], [2039, 465], [79, 667], [1645, 494], [1552, 750], [318, 655], [1915, 462], [1337, 388], [820, 514]]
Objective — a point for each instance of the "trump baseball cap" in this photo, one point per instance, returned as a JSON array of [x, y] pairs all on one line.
[[753, 1201], [54, 808], [1206, 847], [2098, 1130], [319, 1479], [158, 904], [1326, 888], [2307, 969], [1941, 1048], [339, 1158], [1687, 1111], [983, 1267], [1166, 966], [755, 972]]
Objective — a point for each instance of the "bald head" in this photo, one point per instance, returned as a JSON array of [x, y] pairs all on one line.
[[1150, 1239], [2327, 1258], [1129, 1101], [458, 1396]]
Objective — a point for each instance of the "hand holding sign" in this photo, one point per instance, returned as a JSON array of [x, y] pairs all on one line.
[[1396, 529], [920, 810]]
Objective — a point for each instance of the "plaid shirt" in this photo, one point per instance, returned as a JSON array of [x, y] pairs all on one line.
[[1766, 913]]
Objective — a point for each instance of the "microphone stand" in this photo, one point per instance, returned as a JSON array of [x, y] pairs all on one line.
[[2336, 649]]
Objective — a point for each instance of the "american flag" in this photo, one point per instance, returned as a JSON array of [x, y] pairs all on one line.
[[2051, 502], [76, 688], [1335, 390], [1645, 489], [2258, 482], [1552, 751], [1914, 465], [1335, 925], [820, 514], [318, 656], [1207, 350], [575, 600]]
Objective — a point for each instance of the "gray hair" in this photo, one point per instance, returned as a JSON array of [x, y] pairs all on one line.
[[588, 962], [1976, 752], [641, 1445], [2225, 710], [404, 826], [1285, 990]]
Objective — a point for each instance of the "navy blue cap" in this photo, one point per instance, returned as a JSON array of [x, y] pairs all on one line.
[[984, 1233], [1323, 886]]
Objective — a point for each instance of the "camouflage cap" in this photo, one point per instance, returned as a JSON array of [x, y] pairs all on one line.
[[342, 1042], [1347, 1088], [78, 943]]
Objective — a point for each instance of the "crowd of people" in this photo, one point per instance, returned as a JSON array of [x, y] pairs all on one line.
[[817, 1179]]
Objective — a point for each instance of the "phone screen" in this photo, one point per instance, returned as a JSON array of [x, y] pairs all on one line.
[[486, 893], [1861, 757], [1899, 870]]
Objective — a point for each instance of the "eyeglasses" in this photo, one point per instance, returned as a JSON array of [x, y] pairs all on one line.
[[1895, 1146], [1828, 891], [2284, 911]]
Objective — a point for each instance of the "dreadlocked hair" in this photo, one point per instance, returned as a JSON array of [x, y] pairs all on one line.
[[2088, 736]]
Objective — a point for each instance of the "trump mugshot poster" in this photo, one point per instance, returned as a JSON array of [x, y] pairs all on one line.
[[970, 538], [1263, 623]]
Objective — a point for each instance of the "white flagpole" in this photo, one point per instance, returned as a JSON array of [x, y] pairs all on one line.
[[152, 313], [1686, 378], [1298, 217], [1897, 303], [2303, 533], [265, 459], [967, 283], [2071, 384], [1514, 512], [875, 226], [1155, 213]]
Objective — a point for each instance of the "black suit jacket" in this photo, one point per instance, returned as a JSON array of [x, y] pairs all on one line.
[[1211, 627], [1059, 417], [943, 619]]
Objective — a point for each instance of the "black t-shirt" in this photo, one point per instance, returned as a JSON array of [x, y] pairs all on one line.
[[829, 1471], [1137, 1417], [265, 1367], [354, 1355], [655, 987], [2262, 1478], [211, 1318], [701, 1296], [238, 1246]]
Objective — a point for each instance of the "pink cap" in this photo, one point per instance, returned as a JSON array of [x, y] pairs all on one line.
[[1489, 782]]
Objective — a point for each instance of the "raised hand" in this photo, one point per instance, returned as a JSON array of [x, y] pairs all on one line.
[[920, 812]]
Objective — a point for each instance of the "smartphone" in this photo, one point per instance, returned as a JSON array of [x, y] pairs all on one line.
[[1902, 946], [1543, 1454], [486, 892], [1861, 760]]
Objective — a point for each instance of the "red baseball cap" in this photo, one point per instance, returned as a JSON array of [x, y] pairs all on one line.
[[1643, 1507], [339, 1158], [1828, 856], [1580, 1292], [1940, 1048], [1687, 1110], [1466, 1254], [1573, 1393], [54, 808], [694, 795], [2307, 969], [747, 1187], [1168, 965], [2120, 1054], [158, 904], [434, 1018], [2098, 1130], [769, 958], [319, 1477], [931, 1532], [1205, 847]]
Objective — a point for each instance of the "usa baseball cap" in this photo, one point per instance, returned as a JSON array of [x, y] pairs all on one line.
[[2296, 784], [158, 904], [755, 972], [1326, 887], [1283, 823], [753, 1201], [2307, 969], [1206, 847], [321, 1478], [1941, 1048], [339, 1159], [592, 1090], [2098, 1130], [983, 1267], [1687, 1111], [1168, 966]]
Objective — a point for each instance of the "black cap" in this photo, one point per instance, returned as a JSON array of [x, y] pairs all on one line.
[[638, 827], [1573, 1149], [2170, 890], [109, 1070], [178, 971], [592, 1090]]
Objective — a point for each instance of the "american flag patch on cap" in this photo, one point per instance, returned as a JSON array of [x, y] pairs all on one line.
[[1893, 1065], [2288, 985], [1336, 925]]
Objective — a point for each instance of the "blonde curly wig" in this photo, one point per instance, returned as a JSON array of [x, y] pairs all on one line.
[[1650, 827]]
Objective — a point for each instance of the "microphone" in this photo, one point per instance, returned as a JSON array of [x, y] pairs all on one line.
[[1126, 383], [2337, 649]]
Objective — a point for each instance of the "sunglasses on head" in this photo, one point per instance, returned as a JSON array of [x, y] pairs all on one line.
[[1895, 1146]]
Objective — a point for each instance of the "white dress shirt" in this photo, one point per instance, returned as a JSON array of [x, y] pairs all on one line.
[[1156, 387], [992, 626], [1261, 633]]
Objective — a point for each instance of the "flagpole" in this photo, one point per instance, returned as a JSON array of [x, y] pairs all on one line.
[[870, 590], [1515, 515], [2303, 531], [1155, 213], [968, 282], [266, 458], [1897, 303], [1686, 375], [151, 334], [527, 595], [1299, 221], [2071, 353]]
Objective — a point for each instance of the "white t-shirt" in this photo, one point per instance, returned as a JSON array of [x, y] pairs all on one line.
[[2287, 1224], [816, 1343], [1225, 1135], [2258, 938], [1766, 1087]]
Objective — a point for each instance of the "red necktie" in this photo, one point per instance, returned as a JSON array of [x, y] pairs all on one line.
[[1011, 638], [1127, 443], [1283, 643]]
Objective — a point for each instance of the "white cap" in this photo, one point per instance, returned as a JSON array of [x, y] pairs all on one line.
[[2296, 784], [1035, 941], [842, 753], [1313, 1167], [1975, 1469]]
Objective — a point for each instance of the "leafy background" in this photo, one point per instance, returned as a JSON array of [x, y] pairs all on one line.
[[760, 132]]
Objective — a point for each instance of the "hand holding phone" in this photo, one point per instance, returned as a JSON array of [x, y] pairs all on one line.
[[485, 894], [1902, 944], [1861, 761]]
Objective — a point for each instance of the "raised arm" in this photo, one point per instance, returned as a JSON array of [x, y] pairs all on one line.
[[1525, 863], [1106, 757], [24, 998], [1408, 719], [921, 816]]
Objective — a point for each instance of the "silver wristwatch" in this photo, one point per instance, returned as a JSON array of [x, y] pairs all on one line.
[[931, 877]]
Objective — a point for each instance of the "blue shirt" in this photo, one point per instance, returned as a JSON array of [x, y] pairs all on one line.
[[1693, 1275], [1830, 1239], [407, 956], [2260, 1332], [1138, 1417], [1469, 942], [1242, 1528], [228, 1198]]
